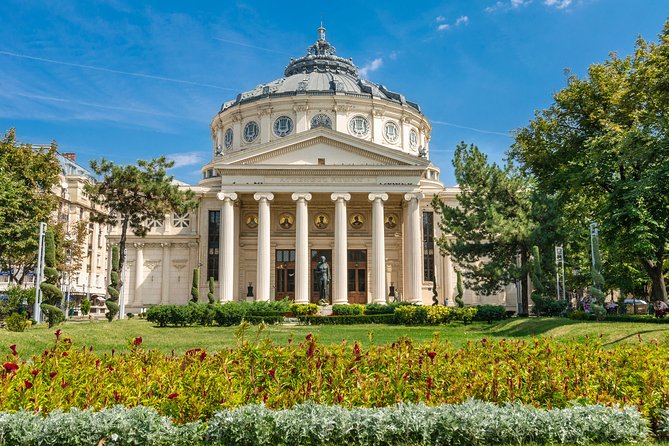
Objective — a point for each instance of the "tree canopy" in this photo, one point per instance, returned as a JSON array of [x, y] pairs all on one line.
[[27, 176], [134, 195], [602, 149]]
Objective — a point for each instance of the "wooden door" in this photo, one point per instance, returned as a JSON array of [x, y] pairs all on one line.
[[357, 276], [284, 274]]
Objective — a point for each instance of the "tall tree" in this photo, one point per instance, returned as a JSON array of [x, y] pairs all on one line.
[[27, 176], [133, 195], [492, 225], [602, 148]]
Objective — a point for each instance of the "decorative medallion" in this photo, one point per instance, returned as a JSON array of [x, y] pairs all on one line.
[[358, 126], [251, 220], [357, 221], [321, 120], [322, 221], [413, 139], [391, 132], [251, 131], [286, 220], [228, 138], [283, 126], [390, 221]]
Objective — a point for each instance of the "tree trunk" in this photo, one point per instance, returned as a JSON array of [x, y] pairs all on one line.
[[524, 287], [659, 288]]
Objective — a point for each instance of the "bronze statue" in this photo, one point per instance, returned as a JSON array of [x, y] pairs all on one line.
[[323, 280]]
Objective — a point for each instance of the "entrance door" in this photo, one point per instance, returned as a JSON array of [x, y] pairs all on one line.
[[316, 255], [357, 276], [285, 274]]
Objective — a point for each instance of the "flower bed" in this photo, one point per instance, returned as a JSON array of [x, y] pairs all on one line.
[[194, 386], [469, 424]]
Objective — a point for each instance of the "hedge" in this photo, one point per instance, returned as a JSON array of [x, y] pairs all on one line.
[[643, 319], [230, 313], [472, 423], [490, 313], [348, 309], [348, 320]]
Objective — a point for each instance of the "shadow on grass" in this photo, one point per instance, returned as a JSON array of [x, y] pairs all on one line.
[[632, 335], [526, 327]]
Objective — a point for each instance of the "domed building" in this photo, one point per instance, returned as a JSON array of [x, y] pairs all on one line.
[[317, 164]]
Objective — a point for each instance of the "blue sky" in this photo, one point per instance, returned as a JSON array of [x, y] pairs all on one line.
[[127, 80]]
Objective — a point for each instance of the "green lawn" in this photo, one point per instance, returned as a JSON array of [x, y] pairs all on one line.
[[104, 336]]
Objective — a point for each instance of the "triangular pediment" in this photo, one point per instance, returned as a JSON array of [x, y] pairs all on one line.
[[321, 146]]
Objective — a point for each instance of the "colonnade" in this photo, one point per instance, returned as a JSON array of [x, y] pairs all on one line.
[[379, 289]]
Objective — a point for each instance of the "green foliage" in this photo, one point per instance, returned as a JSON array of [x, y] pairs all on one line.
[[195, 289], [383, 308], [493, 222], [303, 309], [348, 309], [16, 322], [51, 293], [27, 176], [460, 291], [85, 307], [431, 315], [471, 423], [490, 313], [210, 295], [227, 314], [52, 314], [600, 149], [14, 302], [547, 306], [113, 287], [381, 318], [134, 195]]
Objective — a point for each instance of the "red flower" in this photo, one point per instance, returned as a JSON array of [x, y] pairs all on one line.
[[35, 372], [28, 384], [97, 363], [63, 384], [172, 395], [52, 374], [10, 366], [431, 355], [272, 373], [309, 337], [137, 341], [57, 333], [203, 355], [13, 349], [65, 353]]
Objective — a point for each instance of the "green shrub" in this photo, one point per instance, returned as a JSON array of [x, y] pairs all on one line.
[[130, 315], [16, 322], [347, 320], [112, 309], [547, 306], [52, 314], [490, 313], [303, 309], [210, 295], [348, 309], [433, 315], [85, 307], [195, 289]]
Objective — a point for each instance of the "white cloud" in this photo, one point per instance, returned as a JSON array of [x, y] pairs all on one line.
[[508, 5], [462, 20], [441, 18], [393, 55], [443, 27], [559, 4], [371, 66], [185, 159]]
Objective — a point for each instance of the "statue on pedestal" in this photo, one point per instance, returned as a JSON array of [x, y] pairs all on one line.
[[323, 280]]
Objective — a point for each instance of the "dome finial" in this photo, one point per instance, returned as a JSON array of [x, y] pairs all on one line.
[[321, 32]]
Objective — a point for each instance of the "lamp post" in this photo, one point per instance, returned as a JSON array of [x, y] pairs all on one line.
[[594, 233], [39, 273]]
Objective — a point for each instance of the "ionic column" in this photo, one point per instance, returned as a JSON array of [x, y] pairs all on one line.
[[378, 248], [94, 257], [139, 270], [414, 261], [340, 267], [165, 285], [264, 258], [301, 248], [226, 264]]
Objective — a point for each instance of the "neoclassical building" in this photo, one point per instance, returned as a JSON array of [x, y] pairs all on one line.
[[317, 163]]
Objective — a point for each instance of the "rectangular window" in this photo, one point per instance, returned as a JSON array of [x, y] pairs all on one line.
[[428, 246], [213, 240]]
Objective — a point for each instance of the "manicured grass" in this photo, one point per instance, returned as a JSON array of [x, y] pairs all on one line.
[[104, 336]]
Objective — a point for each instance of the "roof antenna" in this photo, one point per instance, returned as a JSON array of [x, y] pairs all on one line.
[[321, 32]]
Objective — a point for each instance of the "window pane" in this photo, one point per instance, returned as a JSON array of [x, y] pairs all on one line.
[[362, 280], [351, 280], [291, 281]]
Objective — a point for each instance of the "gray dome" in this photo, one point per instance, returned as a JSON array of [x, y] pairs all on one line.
[[320, 73]]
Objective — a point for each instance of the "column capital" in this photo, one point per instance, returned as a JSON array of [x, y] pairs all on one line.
[[306, 196], [340, 196], [232, 196], [259, 196], [378, 196], [414, 196], [138, 245]]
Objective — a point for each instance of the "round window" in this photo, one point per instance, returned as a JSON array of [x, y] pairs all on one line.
[[283, 126], [251, 131], [391, 132], [358, 126]]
